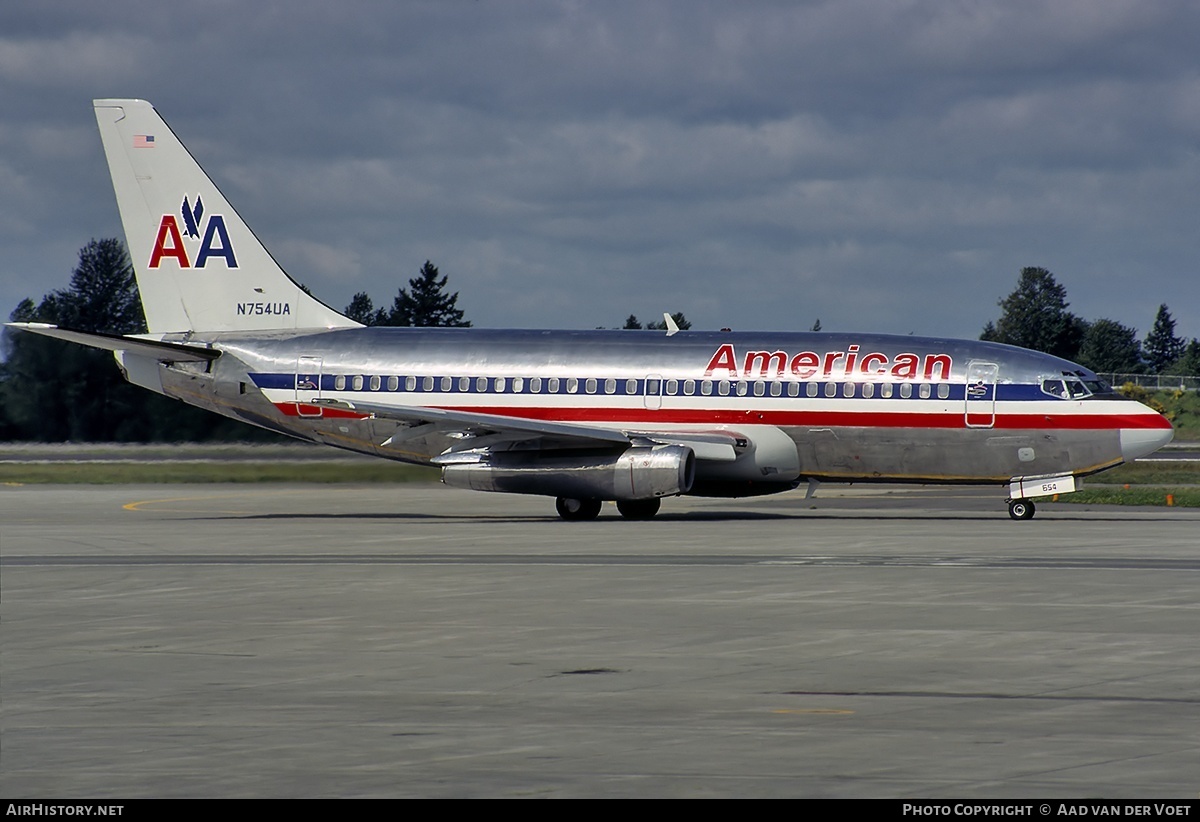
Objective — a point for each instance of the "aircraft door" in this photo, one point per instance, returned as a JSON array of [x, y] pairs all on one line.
[[980, 396], [652, 393], [308, 386]]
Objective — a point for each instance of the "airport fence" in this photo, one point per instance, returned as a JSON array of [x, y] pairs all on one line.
[[1155, 382]]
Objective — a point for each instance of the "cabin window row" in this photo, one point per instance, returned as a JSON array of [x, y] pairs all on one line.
[[634, 387]]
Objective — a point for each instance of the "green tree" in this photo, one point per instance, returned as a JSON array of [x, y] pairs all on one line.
[[1110, 347], [426, 303], [1162, 347], [1035, 316], [1188, 363], [632, 323], [103, 295], [52, 390], [362, 310]]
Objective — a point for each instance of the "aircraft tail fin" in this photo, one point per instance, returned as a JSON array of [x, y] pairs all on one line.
[[199, 266]]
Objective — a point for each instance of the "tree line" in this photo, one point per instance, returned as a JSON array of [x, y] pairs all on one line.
[[51, 390], [1036, 316]]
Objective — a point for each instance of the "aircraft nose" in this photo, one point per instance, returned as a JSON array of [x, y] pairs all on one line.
[[1138, 442]]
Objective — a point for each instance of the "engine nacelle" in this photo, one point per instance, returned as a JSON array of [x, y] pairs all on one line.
[[636, 473]]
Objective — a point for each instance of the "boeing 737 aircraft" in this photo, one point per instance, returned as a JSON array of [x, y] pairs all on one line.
[[583, 416]]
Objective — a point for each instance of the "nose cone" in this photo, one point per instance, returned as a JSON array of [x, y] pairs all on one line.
[[1138, 442]]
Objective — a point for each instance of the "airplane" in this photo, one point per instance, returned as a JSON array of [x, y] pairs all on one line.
[[581, 416]]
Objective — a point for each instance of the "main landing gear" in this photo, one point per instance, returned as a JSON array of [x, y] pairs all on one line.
[[578, 510], [1021, 508], [638, 508]]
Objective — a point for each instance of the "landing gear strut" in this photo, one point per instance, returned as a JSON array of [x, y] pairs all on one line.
[[577, 510], [638, 508], [1021, 508]]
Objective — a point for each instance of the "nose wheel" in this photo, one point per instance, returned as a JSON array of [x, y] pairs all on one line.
[[1021, 509]]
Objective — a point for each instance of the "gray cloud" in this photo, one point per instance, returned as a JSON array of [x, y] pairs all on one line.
[[886, 166]]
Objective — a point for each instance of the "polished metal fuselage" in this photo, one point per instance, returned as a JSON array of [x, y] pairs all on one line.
[[852, 407]]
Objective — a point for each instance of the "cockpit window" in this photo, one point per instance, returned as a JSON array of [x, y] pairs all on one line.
[[1055, 388], [1070, 387], [1077, 390]]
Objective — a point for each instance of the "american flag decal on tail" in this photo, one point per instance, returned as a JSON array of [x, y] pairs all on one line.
[[143, 141]]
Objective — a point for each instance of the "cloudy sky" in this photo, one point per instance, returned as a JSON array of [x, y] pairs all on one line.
[[883, 166]]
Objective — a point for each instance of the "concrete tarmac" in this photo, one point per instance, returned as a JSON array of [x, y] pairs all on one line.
[[419, 641]]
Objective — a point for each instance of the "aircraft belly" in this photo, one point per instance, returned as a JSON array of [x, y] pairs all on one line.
[[956, 455]]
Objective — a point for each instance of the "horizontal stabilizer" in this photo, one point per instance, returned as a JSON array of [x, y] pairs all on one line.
[[161, 351]]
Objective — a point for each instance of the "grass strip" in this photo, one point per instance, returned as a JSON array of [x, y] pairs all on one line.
[[1179, 497], [100, 473]]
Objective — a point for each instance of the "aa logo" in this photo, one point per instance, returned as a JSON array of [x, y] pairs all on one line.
[[169, 244]]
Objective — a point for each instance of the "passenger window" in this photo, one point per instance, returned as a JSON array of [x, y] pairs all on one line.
[[672, 387], [339, 382], [393, 383], [590, 385], [776, 389], [410, 383], [464, 384], [741, 389], [481, 384], [375, 382], [885, 390], [925, 390], [706, 387], [572, 385], [906, 390], [552, 385], [610, 386], [689, 387], [447, 384], [943, 391], [868, 391], [499, 384], [848, 390], [630, 387], [358, 382], [811, 389], [831, 389], [759, 389], [723, 388], [428, 383], [518, 385]]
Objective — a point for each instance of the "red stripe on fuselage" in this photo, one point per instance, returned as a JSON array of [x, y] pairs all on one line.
[[783, 419]]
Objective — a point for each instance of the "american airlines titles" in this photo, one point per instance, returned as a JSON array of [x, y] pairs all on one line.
[[851, 363]]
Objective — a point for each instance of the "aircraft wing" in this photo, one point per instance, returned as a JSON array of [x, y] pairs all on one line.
[[161, 351], [479, 431]]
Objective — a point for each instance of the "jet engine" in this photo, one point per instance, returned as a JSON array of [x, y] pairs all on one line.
[[637, 473]]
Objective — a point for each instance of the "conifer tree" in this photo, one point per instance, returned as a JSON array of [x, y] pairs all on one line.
[[1162, 347], [426, 302]]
